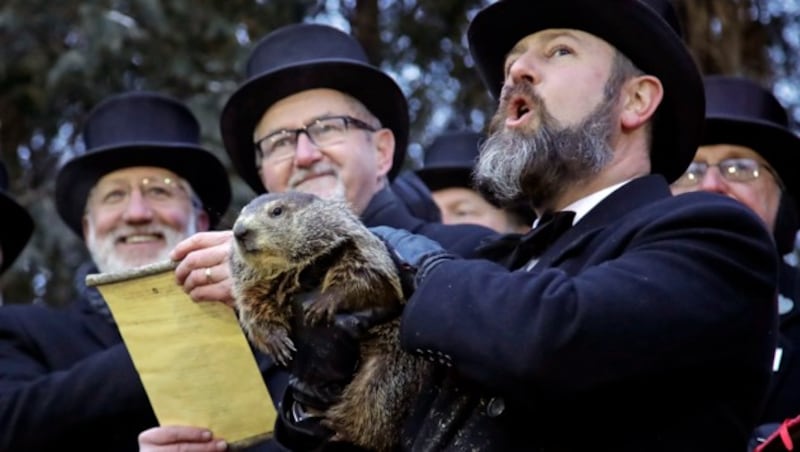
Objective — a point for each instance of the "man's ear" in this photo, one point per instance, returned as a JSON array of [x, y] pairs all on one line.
[[641, 97], [384, 146], [203, 222], [85, 225]]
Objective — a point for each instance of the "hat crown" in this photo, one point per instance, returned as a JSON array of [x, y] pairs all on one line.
[[300, 44], [667, 12], [137, 118], [456, 149], [734, 97]]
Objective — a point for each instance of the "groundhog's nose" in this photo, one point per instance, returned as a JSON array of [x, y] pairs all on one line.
[[242, 233]]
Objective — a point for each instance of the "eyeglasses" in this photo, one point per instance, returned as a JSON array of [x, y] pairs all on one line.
[[733, 170], [322, 132], [115, 194]]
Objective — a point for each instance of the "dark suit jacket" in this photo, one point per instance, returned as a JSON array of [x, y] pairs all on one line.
[[648, 326], [783, 401], [387, 209], [67, 382]]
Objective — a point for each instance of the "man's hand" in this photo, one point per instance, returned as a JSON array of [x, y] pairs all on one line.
[[328, 355], [415, 255], [174, 438], [204, 271]]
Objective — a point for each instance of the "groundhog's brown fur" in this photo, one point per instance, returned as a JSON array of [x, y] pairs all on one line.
[[282, 241]]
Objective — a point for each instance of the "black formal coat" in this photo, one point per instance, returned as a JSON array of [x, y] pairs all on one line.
[[67, 382], [648, 326], [783, 401], [387, 209]]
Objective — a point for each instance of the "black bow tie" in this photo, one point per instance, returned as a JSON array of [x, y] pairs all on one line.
[[550, 227]]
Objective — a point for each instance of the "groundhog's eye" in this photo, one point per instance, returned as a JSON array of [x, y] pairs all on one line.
[[276, 211]]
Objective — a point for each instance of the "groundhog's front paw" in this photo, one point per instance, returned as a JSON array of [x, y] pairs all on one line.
[[275, 342], [322, 309]]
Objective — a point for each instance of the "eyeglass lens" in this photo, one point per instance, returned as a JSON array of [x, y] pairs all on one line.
[[321, 132], [154, 189], [735, 170]]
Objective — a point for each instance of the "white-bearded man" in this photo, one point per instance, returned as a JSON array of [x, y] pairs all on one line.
[[143, 185]]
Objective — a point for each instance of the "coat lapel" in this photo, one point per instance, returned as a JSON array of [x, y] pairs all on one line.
[[618, 204], [627, 198]]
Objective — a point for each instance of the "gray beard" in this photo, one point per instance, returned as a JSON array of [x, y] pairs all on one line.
[[538, 166]]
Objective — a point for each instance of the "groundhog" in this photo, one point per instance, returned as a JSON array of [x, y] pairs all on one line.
[[287, 244]]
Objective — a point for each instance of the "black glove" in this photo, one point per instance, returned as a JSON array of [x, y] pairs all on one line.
[[415, 255], [326, 358], [324, 363]]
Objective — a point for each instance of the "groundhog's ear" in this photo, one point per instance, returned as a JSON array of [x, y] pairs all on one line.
[[384, 146]]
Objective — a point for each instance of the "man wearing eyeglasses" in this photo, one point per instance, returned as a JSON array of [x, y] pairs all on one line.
[[318, 119], [143, 185], [749, 154]]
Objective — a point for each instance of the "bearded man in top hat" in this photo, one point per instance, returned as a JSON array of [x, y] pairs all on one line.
[[17, 227], [143, 185], [628, 319], [447, 172], [749, 153]]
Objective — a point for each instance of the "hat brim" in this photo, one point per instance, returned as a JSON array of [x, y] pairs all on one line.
[[199, 167], [440, 177], [16, 231], [778, 146], [634, 29], [376, 90]]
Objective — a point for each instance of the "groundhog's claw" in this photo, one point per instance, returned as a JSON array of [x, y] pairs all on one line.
[[278, 345], [322, 309]]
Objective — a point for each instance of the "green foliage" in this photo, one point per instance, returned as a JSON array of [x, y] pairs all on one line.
[[58, 59]]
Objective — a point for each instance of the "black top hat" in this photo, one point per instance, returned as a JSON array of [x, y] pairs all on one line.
[[739, 111], [141, 129], [17, 224], [449, 160], [301, 57], [646, 31]]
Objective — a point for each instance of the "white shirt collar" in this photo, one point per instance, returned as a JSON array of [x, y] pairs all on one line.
[[582, 206]]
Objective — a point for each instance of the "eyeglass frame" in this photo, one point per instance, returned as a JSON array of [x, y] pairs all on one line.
[[181, 184], [724, 174], [348, 122]]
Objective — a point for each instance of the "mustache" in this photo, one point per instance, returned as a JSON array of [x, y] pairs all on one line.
[[318, 169], [524, 90], [127, 230]]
